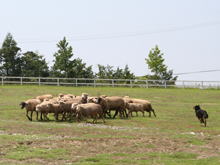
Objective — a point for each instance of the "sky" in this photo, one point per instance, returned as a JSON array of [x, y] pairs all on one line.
[[120, 32]]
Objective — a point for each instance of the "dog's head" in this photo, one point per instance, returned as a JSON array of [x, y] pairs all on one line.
[[196, 107]]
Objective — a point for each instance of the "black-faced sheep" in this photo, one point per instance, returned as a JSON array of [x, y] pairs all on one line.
[[30, 106], [108, 104]]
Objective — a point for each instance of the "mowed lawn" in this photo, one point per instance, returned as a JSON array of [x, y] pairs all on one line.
[[174, 137]]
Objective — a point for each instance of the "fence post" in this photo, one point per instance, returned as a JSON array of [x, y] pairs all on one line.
[[202, 84], [58, 82], [113, 83], [76, 82], [21, 80], [131, 85], [147, 86], [165, 84], [39, 81], [2, 81], [94, 83], [183, 84]]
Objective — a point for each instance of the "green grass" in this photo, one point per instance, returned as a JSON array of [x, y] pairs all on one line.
[[22, 153], [174, 137]]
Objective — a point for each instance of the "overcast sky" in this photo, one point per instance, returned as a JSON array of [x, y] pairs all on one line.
[[120, 32]]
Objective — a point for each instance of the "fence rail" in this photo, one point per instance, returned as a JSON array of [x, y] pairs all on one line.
[[108, 82]]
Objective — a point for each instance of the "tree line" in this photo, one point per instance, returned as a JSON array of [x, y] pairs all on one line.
[[31, 64]]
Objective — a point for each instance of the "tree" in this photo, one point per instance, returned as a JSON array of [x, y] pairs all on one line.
[[127, 73], [62, 61], [10, 62], [34, 65], [66, 66], [108, 72], [155, 62], [105, 72], [80, 70]]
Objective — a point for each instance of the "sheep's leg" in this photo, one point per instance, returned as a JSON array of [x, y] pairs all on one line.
[[41, 116], [37, 115], [64, 116], [131, 114], [126, 114], [94, 119], [149, 113], [154, 113], [103, 119], [56, 115], [45, 116], [116, 113], [28, 116], [136, 113], [31, 115], [143, 113], [109, 113]]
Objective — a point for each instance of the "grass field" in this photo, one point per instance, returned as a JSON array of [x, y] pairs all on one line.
[[174, 137]]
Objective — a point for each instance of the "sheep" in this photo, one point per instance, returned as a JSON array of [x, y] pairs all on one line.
[[89, 110], [146, 104], [49, 107], [111, 103], [42, 97], [66, 104], [30, 106], [66, 96], [134, 107]]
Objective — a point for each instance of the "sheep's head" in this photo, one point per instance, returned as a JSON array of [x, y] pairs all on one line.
[[22, 104], [92, 100], [84, 97], [61, 95]]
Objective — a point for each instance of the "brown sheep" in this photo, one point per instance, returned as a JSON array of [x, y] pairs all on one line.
[[134, 107], [89, 110], [112, 103], [146, 104], [66, 96], [49, 107], [42, 97], [30, 106]]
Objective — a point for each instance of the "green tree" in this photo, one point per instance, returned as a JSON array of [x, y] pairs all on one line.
[[34, 65], [118, 73], [105, 71], [10, 62], [62, 64], [66, 66], [155, 62], [80, 70], [127, 73], [108, 72]]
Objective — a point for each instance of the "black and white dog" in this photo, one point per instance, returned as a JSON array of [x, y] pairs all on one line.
[[202, 115]]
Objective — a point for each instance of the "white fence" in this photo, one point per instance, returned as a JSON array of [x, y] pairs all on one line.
[[108, 82]]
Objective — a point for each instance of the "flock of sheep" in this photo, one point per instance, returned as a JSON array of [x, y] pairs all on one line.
[[82, 107]]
